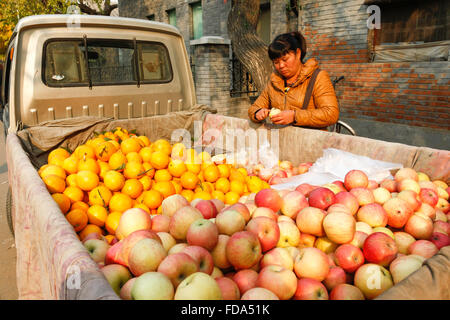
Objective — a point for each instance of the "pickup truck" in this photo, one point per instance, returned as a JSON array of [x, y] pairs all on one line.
[[63, 69]]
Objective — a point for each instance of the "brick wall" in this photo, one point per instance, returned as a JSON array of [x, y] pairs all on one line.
[[410, 93]]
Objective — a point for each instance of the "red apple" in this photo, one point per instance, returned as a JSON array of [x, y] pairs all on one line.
[[145, 256], [268, 198], [218, 204], [292, 203], [349, 200], [340, 184], [305, 188], [133, 238], [265, 212], [266, 230], [359, 238], [372, 184], [364, 195], [265, 174], [321, 198], [278, 256], [380, 248], [373, 214], [219, 252], [423, 248], [258, 293], [206, 208], [411, 198], [427, 210], [243, 250], [229, 288], [242, 209], [372, 280], [419, 226], [279, 280], [304, 167], [245, 279], [229, 222], [403, 241], [338, 207], [204, 233], [310, 289], [443, 205], [346, 292], [381, 195], [349, 257], [177, 267], [116, 275], [356, 179], [429, 196], [440, 239], [389, 184], [339, 227], [408, 184], [311, 263], [202, 257], [160, 223], [403, 266], [309, 220], [441, 226], [398, 212], [335, 276], [406, 173], [307, 240], [181, 221]]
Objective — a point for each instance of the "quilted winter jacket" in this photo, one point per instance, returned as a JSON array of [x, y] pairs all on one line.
[[322, 110]]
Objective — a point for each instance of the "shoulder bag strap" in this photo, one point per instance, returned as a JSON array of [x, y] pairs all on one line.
[[310, 88]]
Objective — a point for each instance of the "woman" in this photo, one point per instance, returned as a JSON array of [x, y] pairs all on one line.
[[288, 85]]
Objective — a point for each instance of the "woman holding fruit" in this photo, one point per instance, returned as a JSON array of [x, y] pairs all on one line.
[[288, 91]]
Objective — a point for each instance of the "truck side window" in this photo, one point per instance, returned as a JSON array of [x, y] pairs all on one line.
[[110, 62]]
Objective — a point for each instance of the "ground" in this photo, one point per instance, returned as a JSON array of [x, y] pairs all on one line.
[[8, 288]]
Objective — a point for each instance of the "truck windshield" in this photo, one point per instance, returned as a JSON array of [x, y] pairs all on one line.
[[109, 62]]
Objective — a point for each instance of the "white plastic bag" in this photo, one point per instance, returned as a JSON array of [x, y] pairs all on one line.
[[335, 164]]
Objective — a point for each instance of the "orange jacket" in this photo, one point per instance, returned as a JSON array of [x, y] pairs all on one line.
[[322, 110]]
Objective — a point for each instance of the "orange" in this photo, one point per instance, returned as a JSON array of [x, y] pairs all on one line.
[[204, 157], [231, 197], [84, 151], [254, 184], [100, 195], [96, 141], [177, 167], [223, 185], [117, 161], [146, 154], [205, 186], [87, 180], [132, 188], [120, 202], [189, 180], [104, 168], [152, 198], [70, 164], [112, 222], [224, 170], [114, 180], [134, 157], [191, 156], [71, 180], [206, 164], [74, 193], [55, 184], [97, 215], [236, 175], [78, 219], [146, 182], [90, 228], [237, 187], [178, 151], [145, 142], [104, 150], [193, 167], [133, 170], [162, 175], [57, 160], [243, 171], [149, 170], [130, 145], [163, 146], [59, 152], [63, 201], [88, 164], [109, 238], [211, 173], [143, 207], [265, 185], [217, 194], [41, 169], [52, 169], [188, 194], [202, 195], [159, 160], [200, 176], [165, 187], [177, 186], [80, 205]]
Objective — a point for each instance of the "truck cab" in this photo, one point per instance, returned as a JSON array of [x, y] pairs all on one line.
[[63, 66]]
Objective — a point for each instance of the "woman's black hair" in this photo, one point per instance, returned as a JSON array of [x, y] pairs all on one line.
[[285, 43]]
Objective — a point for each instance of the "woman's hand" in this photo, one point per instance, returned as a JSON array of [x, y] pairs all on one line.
[[284, 117], [262, 114]]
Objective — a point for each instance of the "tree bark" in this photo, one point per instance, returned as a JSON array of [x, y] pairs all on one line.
[[249, 49], [106, 11]]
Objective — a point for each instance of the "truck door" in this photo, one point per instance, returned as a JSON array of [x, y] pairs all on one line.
[[4, 105]]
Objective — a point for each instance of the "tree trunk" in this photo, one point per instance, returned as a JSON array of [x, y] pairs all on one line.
[[249, 49]]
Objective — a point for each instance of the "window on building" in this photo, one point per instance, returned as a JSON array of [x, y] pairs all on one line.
[[417, 31], [110, 62], [172, 14], [151, 17], [263, 27], [197, 20]]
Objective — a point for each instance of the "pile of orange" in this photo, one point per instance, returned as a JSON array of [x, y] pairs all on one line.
[[118, 170]]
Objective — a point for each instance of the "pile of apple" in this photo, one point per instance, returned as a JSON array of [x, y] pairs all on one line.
[[285, 169], [354, 240]]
